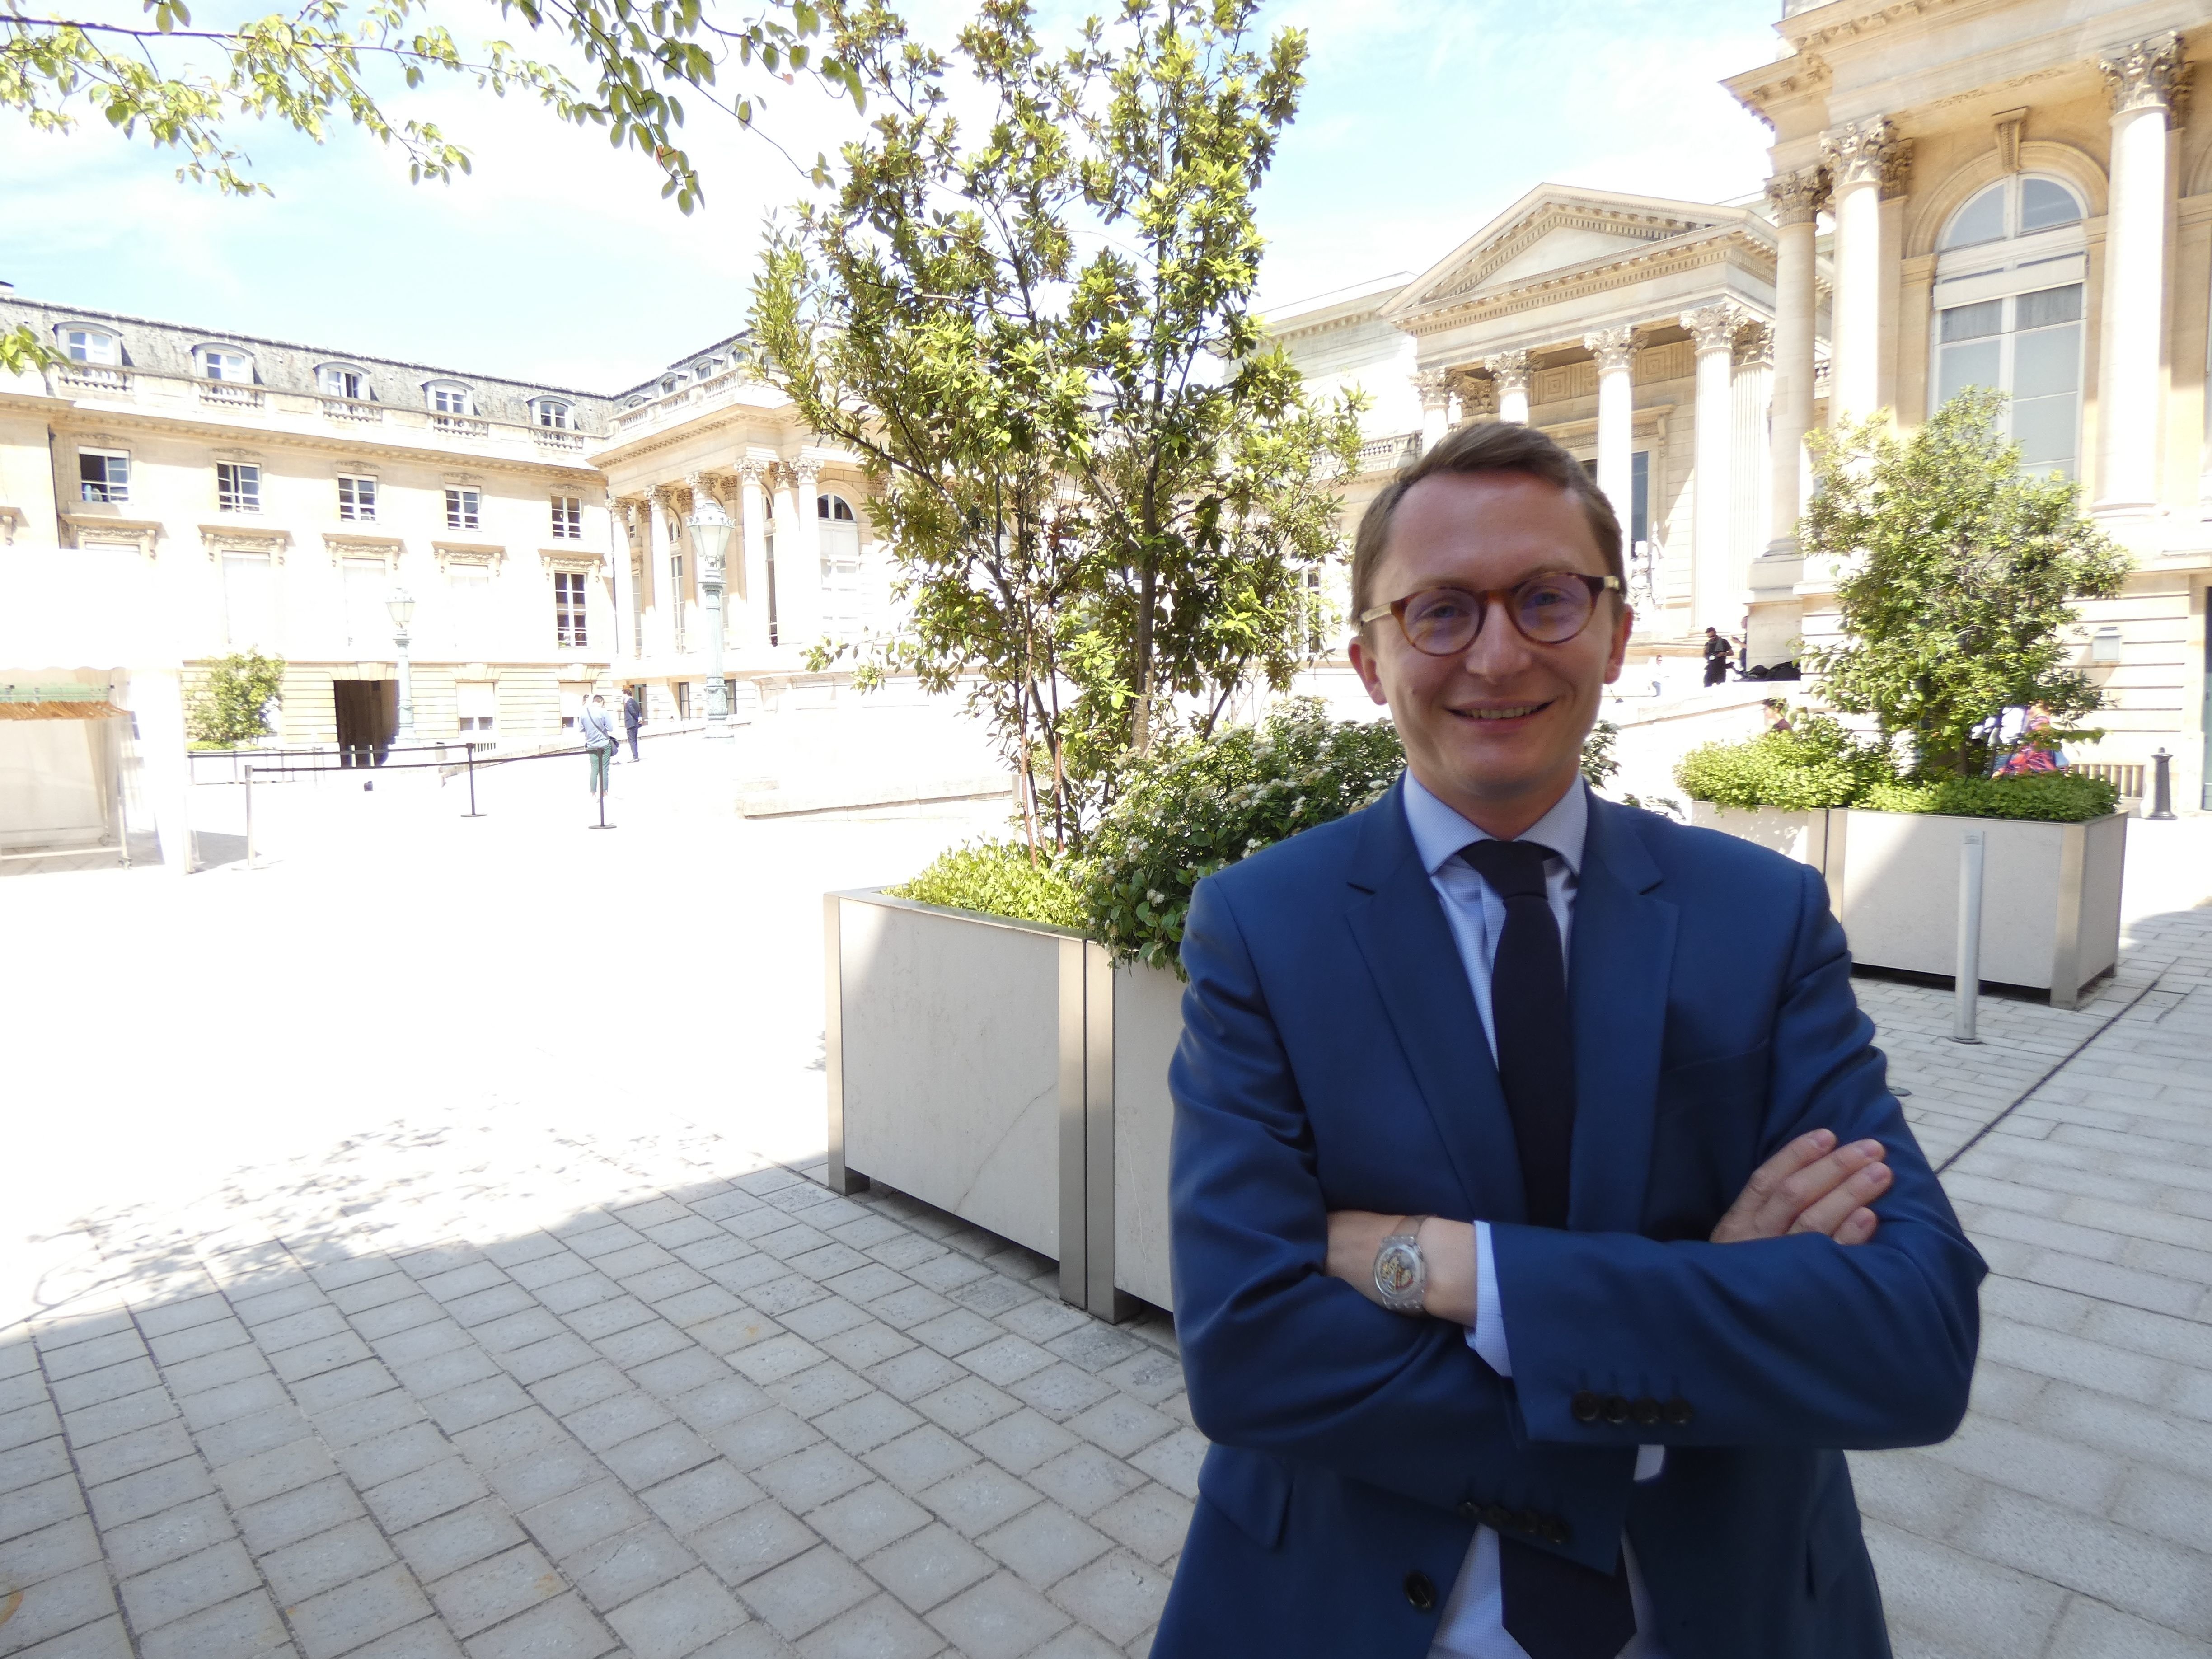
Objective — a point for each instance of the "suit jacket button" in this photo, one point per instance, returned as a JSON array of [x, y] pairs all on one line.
[[1676, 1410], [1497, 1517], [1645, 1411], [1420, 1592], [1616, 1409], [1470, 1510], [1584, 1406]]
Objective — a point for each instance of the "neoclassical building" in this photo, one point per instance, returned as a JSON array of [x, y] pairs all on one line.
[[2009, 193]]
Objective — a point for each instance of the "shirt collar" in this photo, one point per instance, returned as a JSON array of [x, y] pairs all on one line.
[[1439, 832]]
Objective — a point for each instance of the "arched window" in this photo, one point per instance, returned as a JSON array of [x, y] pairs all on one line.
[[342, 380], [223, 362], [2009, 283], [89, 345], [553, 412], [669, 383], [836, 508], [448, 398]]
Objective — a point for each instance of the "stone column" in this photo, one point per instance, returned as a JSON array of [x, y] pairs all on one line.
[[2142, 79], [1511, 369], [625, 581], [1435, 389], [664, 619], [1748, 474], [1862, 159], [1796, 199], [752, 521], [793, 592], [1616, 348], [708, 577], [1715, 600], [810, 542]]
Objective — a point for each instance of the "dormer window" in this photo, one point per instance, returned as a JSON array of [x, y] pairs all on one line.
[[554, 414], [342, 380], [90, 345], [223, 363], [670, 384], [448, 398]]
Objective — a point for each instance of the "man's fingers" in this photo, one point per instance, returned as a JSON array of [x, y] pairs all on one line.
[[1834, 1210], [1814, 1184], [1858, 1227]]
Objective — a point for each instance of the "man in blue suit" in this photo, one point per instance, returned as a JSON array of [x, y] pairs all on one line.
[[1543, 1223]]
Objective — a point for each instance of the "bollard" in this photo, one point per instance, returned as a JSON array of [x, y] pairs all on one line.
[[249, 817], [472, 812], [1967, 1008], [2161, 796]]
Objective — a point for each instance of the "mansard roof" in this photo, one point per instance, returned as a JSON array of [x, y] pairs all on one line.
[[1557, 233]]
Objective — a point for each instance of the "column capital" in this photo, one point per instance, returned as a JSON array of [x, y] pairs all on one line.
[[1755, 345], [1476, 396], [1510, 370], [1434, 385], [1713, 326], [2148, 74], [1869, 152], [1613, 347], [806, 469], [752, 470], [1797, 196]]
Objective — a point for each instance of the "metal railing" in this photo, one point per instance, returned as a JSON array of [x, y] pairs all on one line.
[[2125, 776]]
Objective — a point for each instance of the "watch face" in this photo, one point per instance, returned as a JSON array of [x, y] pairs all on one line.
[[1397, 1270]]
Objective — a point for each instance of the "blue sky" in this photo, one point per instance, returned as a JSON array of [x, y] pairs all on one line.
[[556, 259]]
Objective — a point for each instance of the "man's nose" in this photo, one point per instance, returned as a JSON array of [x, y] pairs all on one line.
[[1498, 651]]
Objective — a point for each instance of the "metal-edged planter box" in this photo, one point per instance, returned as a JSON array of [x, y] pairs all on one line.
[[2051, 906], [1006, 1073], [2051, 912]]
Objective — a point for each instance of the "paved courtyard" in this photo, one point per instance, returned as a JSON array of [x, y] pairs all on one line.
[[419, 1255]]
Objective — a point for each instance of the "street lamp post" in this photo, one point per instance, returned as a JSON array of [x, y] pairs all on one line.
[[710, 538], [401, 604]]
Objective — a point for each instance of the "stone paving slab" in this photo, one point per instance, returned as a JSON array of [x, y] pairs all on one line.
[[438, 1391]]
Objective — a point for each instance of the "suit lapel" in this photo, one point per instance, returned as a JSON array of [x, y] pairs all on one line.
[[1399, 924], [1620, 963]]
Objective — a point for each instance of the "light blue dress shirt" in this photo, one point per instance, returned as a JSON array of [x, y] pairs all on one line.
[[1473, 1626]]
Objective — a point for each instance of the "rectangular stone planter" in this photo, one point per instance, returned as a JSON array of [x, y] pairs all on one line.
[[2050, 892], [1006, 1073]]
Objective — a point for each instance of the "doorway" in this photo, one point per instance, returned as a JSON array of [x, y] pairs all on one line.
[[367, 715]]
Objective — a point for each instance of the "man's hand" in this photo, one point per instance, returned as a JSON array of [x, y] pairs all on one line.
[[1810, 1186]]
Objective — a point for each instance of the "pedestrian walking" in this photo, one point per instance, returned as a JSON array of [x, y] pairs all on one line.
[[1717, 652], [633, 717], [599, 734]]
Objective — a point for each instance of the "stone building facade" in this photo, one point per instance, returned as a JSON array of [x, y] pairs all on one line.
[[2011, 194]]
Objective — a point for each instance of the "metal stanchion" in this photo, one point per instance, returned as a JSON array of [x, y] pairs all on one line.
[[472, 812], [249, 817], [602, 824], [2161, 798], [1963, 1015]]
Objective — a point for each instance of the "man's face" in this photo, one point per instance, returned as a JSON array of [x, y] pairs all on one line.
[[1496, 731]]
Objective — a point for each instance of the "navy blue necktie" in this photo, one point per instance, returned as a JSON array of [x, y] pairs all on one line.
[[1555, 1608]]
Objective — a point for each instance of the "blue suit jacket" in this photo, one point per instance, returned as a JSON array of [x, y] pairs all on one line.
[[1332, 1058]]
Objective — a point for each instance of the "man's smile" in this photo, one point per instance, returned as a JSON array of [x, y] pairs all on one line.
[[1504, 711]]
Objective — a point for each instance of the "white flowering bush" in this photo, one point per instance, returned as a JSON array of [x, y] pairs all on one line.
[[1194, 806]]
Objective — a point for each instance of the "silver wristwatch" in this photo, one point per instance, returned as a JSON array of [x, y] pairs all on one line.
[[1401, 1275]]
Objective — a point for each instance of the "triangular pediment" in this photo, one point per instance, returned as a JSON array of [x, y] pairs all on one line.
[[1554, 229]]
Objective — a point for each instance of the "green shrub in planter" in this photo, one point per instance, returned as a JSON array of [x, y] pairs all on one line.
[[1000, 878], [1194, 806], [2052, 797], [1818, 764]]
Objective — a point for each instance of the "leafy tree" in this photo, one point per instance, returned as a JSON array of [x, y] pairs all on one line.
[[1962, 575], [233, 706], [1104, 488], [319, 63]]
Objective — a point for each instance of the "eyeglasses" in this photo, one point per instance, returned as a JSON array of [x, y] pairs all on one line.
[[1548, 609]]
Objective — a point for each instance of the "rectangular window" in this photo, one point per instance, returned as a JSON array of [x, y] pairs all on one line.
[[682, 689], [104, 475], [476, 705], [2028, 345], [226, 366], [449, 399], [357, 499], [85, 345], [237, 487], [342, 382], [463, 508], [569, 609], [568, 518]]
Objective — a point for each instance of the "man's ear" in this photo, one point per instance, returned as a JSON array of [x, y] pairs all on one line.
[[1365, 665], [1618, 654]]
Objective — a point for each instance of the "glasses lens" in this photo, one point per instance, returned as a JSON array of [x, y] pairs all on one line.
[[1550, 609], [1442, 621]]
